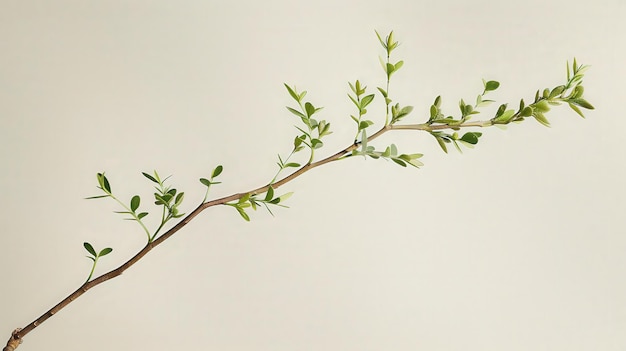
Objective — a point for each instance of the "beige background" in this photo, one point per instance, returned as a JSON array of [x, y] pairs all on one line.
[[518, 244]]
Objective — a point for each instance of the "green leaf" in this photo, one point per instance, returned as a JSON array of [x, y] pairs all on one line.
[[355, 102], [582, 103], [471, 137], [296, 112], [382, 91], [527, 111], [442, 144], [365, 124], [541, 118], [505, 116], [557, 91], [316, 143], [179, 198], [354, 90], [542, 106], [366, 100], [142, 215], [205, 181], [244, 198], [389, 69], [310, 109], [104, 182], [217, 171], [243, 213], [292, 92], [399, 161], [292, 164], [284, 197], [134, 203], [105, 252], [270, 194], [97, 197], [575, 108], [149, 177], [89, 248], [393, 149], [382, 42], [434, 111], [491, 85]]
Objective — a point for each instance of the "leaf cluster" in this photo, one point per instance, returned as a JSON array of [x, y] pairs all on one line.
[[252, 201], [390, 153], [94, 256], [167, 197], [208, 182]]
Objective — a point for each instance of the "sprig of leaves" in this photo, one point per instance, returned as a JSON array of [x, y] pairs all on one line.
[[468, 139], [389, 44], [361, 102], [95, 256], [571, 93], [390, 153], [208, 182], [253, 201], [105, 186], [167, 197], [315, 130]]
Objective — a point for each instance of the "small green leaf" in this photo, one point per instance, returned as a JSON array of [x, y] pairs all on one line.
[[243, 213], [316, 143], [527, 111], [582, 103], [244, 198], [296, 112], [577, 110], [399, 161], [284, 197], [382, 42], [205, 181], [557, 91], [366, 100], [471, 137], [142, 215], [292, 92], [434, 111], [390, 68], [383, 91], [105, 252], [270, 194], [542, 106], [97, 197], [309, 108], [134, 203], [541, 118], [442, 144], [217, 171], [292, 164], [365, 124], [104, 182], [149, 177], [89, 248], [179, 198], [491, 85]]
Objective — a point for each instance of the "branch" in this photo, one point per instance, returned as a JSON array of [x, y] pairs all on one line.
[[311, 137]]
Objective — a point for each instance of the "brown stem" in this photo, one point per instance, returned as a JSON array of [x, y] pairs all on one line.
[[18, 334]]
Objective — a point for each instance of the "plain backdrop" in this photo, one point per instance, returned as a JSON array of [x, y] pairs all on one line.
[[517, 244]]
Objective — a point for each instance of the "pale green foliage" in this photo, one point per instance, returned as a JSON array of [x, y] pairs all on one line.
[[312, 130]]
